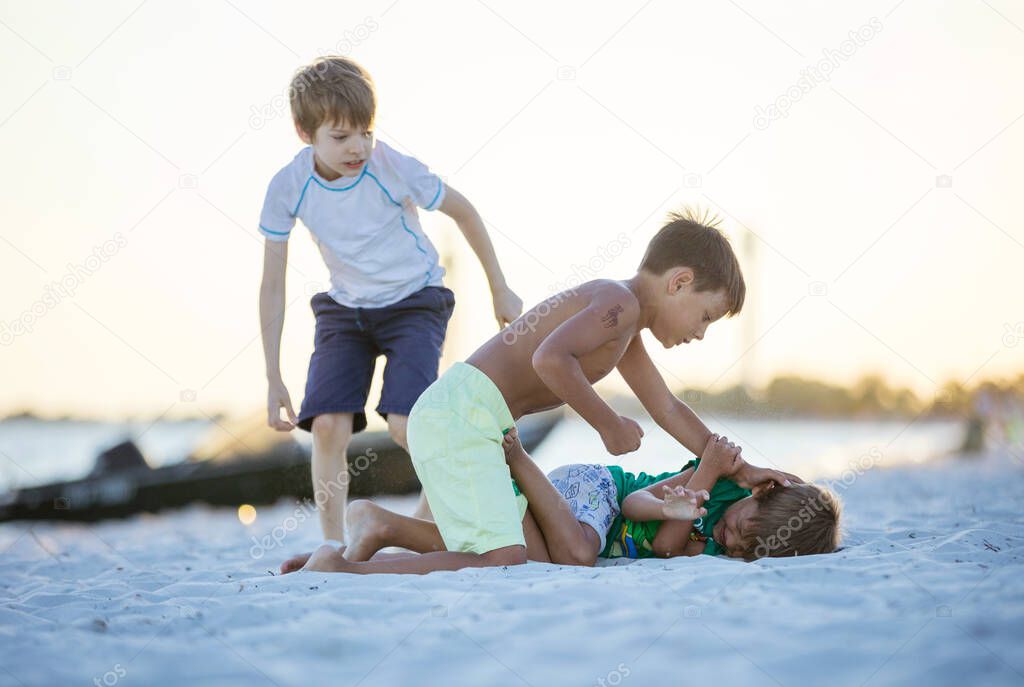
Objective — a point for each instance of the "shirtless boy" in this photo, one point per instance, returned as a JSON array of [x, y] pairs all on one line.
[[553, 354]]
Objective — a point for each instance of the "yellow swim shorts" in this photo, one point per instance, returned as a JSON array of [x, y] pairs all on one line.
[[455, 431]]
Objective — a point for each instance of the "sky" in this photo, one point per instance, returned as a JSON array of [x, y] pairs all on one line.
[[866, 159]]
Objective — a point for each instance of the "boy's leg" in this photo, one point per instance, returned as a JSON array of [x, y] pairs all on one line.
[[480, 507], [454, 433], [423, 509], [297, 562], [373, 528], [397, 425], [415, 534], [411, 335], [569, 541], [332, 433], [536, 545], [337, 384], [329, 559]]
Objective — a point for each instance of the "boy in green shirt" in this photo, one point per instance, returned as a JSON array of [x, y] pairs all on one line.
[[717, 504]]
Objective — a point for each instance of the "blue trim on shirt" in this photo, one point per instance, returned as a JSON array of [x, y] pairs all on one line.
[[393, 201], [343, 188], [402, 217], [302, 195], [321, 184], [440, 185], [415, 238], [413, 235], [275, 233]]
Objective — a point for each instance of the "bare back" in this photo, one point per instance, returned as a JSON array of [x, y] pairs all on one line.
[[507, 358]]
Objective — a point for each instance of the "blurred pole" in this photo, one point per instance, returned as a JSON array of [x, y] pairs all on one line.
[[447, 250], [748, 330]]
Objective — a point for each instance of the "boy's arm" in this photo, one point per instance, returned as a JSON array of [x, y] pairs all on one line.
[[672, 536], [718, 460], [718, 456], [646, 504], [272, 300], [676, 418], [677, 503], [671, 414], [611, 315], [507, 305]]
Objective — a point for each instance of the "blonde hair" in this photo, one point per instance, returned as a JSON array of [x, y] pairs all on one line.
[[332, 89], [798, 520]]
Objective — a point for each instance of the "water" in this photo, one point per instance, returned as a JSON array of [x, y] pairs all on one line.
[[35, 452], [40, 451], [812, 449]]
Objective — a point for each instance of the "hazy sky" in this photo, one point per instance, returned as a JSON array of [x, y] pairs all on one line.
[[879, 215]]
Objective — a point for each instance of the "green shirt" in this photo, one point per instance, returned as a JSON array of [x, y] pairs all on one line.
[[628, 539]]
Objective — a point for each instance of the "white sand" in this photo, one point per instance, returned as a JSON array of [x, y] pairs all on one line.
[[929, 590]]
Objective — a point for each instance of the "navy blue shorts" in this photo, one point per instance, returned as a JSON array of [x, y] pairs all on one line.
[[348, 341]]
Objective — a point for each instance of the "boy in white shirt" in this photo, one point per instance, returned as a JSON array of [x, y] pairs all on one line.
[[359, 202]]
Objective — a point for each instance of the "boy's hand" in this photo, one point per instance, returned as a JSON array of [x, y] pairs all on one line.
[[507, 305], [512, 446], [749, 476], [278, 398], [683, 504], [723, 455], [622, 437]]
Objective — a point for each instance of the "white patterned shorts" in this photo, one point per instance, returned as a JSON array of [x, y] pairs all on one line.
[[591, 494]]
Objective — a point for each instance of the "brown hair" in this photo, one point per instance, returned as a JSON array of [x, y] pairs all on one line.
[[692, 239], [798, 520], [332, 89]]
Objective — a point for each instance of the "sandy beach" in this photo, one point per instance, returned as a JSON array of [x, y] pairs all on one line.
[[241, 242], [928, 590]]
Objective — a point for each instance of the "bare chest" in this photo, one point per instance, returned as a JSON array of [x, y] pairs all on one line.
[[598, 363]]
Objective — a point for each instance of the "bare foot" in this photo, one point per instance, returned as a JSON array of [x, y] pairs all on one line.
[[365, 530], [512, 446], [326, 559], [295, 562]]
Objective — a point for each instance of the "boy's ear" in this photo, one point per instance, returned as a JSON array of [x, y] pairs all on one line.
[[762, 488], [679, 278], [303, 136]]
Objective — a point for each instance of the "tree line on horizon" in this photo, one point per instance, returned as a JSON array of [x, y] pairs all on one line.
[[795, 396], [870, 397]]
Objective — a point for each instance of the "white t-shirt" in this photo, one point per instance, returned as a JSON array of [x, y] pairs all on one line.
[[366, 227]]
